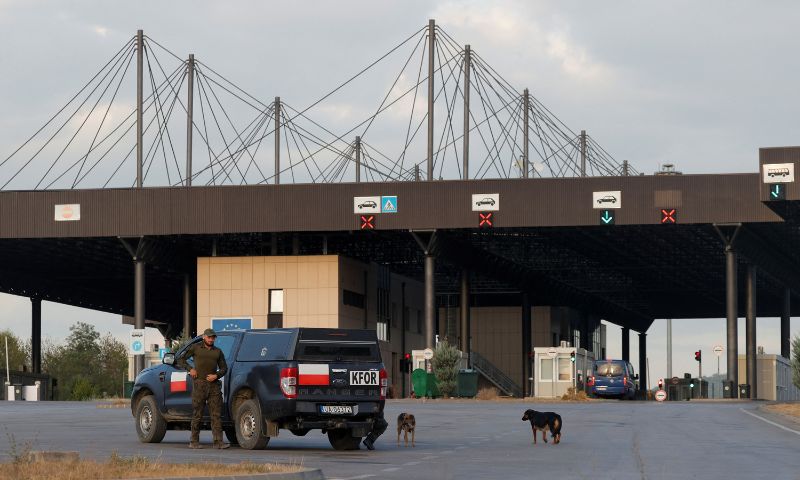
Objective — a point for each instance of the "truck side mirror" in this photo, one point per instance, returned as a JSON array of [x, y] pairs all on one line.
[[169, 359]]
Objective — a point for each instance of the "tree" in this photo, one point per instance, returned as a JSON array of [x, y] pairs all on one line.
[[18, 355], [445, 367], [86, 366], [796, 360]]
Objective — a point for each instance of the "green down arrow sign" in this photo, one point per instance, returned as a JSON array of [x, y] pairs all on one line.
[[607, 218], [777, 192]]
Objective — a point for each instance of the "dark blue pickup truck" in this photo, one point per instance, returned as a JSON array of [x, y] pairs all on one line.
[[297, 379]]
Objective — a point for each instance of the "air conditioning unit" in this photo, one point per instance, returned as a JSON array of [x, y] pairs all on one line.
[[564, 344], [760, 350]]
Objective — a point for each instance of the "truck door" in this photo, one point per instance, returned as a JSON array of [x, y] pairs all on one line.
[[178, 388]]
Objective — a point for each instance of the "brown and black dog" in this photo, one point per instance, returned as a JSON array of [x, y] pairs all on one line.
[[544, 421], [406, 423]]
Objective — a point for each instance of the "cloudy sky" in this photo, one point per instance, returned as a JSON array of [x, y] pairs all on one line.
[[702, 85]]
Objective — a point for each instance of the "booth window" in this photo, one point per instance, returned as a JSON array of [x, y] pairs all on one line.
[[564, 369], [545, 369]]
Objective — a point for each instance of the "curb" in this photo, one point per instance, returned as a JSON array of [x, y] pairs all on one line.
[[310, 474]]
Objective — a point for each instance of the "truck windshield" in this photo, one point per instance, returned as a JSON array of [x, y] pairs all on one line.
[[609, 369], [341, 351]]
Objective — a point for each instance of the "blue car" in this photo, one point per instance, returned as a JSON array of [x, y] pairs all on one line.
[[613, 378]]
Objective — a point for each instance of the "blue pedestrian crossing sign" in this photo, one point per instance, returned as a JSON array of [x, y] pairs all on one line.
[[389, 204]]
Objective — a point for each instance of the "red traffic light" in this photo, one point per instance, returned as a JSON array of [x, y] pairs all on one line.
[[407, 356], [697, 355]]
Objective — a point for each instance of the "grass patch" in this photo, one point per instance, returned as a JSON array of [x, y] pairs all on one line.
[[119, 467], [115, 403], [788, 409], [574, 395], [489, 393]]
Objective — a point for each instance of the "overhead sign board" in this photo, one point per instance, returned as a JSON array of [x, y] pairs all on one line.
[[485, 202], [366, 204], [777, 191], [389, 204], [68, 213], [778, 172], [136, 343], [606, 200]]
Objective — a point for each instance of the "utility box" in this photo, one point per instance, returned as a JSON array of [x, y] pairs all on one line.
[[554, 371], [14, 393], [31, 393]]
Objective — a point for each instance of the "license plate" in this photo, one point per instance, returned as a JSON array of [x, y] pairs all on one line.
[[336, 409], [369, 378]]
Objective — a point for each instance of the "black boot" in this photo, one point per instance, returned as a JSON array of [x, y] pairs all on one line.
[[369, 442]]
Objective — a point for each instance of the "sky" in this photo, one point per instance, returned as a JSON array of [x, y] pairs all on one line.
[[702, 85]]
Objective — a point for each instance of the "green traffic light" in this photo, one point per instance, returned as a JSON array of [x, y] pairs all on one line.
[[691, 385]]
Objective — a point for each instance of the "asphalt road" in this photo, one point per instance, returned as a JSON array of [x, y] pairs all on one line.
[[621, 440]]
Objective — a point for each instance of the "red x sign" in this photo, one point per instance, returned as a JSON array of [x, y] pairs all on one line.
[[669, 215], [486, 220], [367, 222]]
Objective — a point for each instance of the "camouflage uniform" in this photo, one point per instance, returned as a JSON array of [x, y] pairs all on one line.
[[204, 391]]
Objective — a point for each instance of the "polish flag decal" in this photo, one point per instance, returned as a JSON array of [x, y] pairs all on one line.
[[177, 382], [313, 374]]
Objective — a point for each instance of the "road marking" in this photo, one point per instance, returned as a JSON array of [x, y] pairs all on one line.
[[392, 469], [770, 422]]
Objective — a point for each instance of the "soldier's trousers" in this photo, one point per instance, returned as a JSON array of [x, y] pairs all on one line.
[[204, 392]]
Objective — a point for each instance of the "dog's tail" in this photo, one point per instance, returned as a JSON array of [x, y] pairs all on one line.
[[556, 428]]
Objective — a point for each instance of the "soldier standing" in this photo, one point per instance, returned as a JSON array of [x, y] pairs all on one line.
[[209, 367]]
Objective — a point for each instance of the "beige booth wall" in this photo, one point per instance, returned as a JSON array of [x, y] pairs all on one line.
[[239, 287]]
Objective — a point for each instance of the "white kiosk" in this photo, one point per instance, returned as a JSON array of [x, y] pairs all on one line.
[[554, 371]]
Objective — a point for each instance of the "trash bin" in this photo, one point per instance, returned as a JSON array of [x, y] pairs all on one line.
[[14, 393], [744, 390], [128, 389], [467, 383], [424, 384], [728, 389]]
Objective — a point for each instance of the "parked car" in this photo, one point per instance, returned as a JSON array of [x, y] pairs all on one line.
[[613, 378], [297, 379]]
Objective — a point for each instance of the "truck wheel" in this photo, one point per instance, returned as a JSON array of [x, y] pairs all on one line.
[[342, 439], [150, 425], [250, 431], [230, 434]]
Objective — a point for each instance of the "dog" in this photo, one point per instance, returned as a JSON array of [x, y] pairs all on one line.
[[406, 423], [544, 421]]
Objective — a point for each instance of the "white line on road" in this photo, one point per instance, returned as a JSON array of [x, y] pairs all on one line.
[[770, 422], [410, 464], [393, 469]]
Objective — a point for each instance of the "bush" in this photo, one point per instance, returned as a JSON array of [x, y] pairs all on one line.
[[490, 393], [572, 394], [445, 367]]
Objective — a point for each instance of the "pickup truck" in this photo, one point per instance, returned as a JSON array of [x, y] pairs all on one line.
[[296, 379]]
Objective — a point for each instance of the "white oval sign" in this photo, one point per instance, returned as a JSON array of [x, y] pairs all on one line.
[[661, 395], [718, 350], [427, 354]]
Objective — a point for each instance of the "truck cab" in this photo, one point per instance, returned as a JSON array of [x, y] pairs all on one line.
[[295, 379]]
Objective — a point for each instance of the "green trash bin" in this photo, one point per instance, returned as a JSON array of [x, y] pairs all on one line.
[[128, 389], [467, 384], [424, 384]]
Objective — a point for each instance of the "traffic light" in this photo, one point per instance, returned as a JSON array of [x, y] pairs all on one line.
[[697, 355], [660, 383], [405, 363], [572, 356]]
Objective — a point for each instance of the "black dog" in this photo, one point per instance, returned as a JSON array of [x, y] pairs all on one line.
[[544, 421]]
